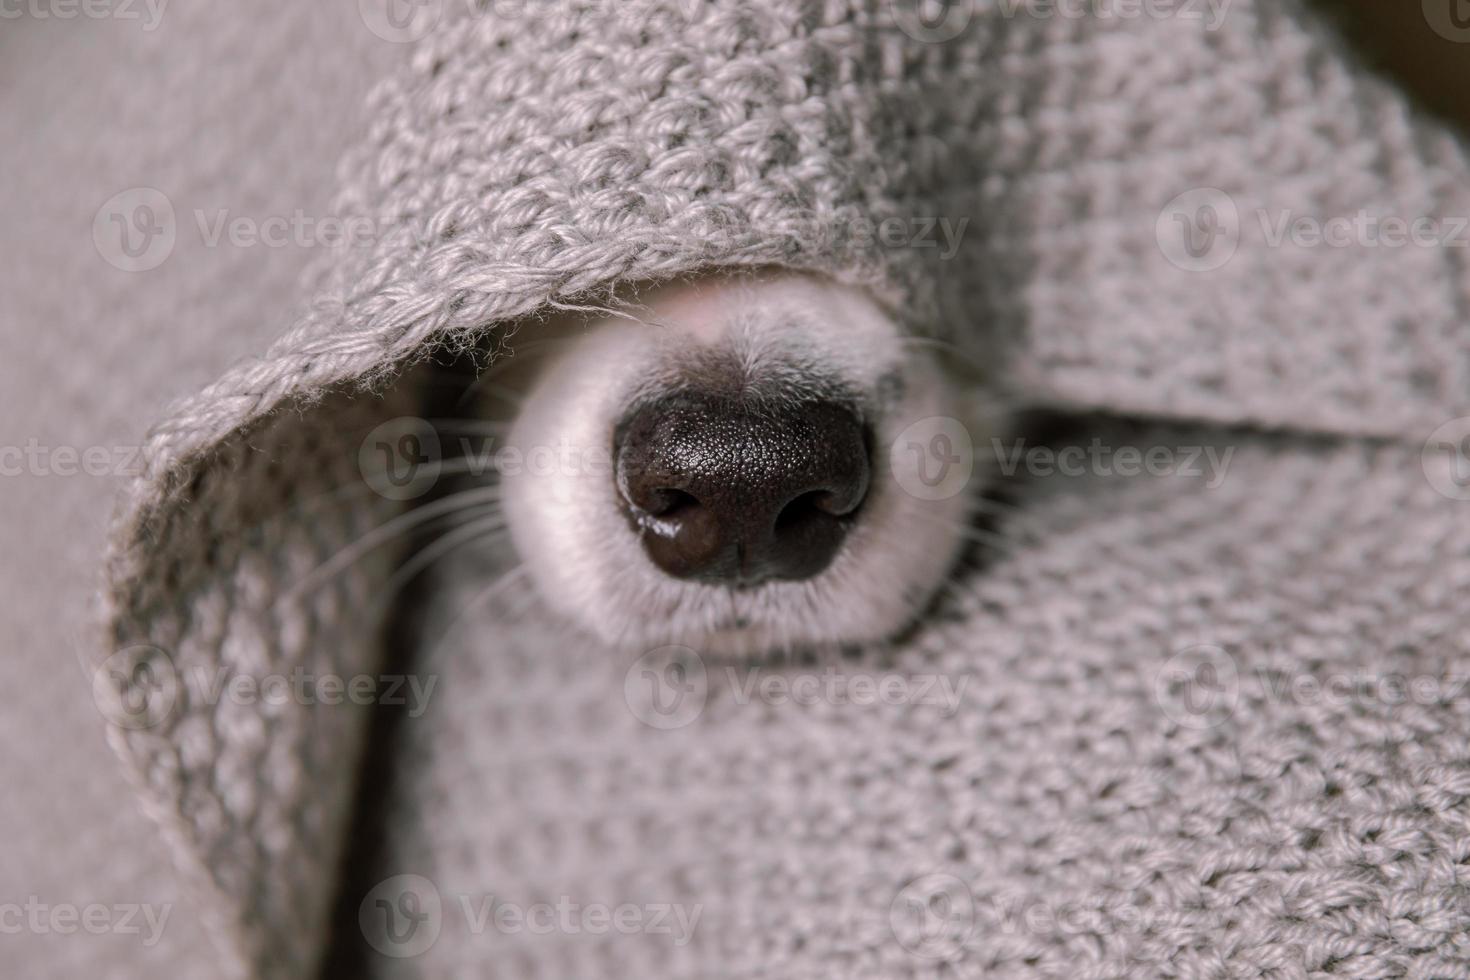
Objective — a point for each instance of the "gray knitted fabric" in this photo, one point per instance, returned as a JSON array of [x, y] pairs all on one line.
[[523, 163], [1097, 804]]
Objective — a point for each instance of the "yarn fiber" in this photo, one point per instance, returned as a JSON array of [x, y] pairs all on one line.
[[524, 162]]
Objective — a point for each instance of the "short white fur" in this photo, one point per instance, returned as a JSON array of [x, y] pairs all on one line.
[[585, 560]]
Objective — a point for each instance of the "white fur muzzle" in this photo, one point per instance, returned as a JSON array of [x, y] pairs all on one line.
[[786, 334]]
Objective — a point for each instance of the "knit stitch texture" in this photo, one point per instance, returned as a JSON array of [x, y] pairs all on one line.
[[526, 162]]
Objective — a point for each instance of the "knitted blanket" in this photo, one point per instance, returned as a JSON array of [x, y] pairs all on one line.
[[1194, 709]]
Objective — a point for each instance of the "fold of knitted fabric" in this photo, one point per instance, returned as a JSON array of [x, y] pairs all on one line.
[[1091, 206], [1176, 727]]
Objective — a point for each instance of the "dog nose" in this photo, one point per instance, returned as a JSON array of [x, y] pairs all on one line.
[[723, 490]]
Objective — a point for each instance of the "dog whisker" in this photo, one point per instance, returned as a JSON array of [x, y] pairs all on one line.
[[949, 349], [475, 466], [601, 311], [485, 527], [516, 358], [503, 393], [500, 584], [989, 540], [453, 424], [990, 505], [394, 527]]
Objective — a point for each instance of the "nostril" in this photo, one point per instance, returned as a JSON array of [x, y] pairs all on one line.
[[831, 502], [668, 502], [816, 505]]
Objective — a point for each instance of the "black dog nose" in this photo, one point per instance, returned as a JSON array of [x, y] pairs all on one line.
[[722, 490]]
